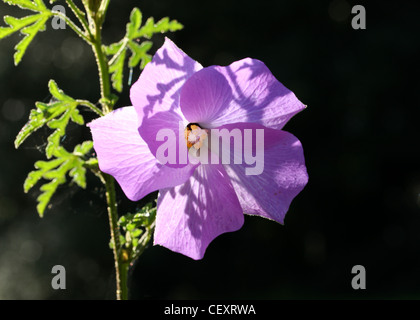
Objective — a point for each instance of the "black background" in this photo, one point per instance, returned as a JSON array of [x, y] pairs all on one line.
[[359, 133]]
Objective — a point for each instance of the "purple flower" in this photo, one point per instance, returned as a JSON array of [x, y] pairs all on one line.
[[197, 202]]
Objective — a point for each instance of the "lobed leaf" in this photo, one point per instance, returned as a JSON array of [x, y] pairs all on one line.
[[28, 26], [138, 229], [55, 114], [163, 25], [139, 52], [56, 171], [117, 71]]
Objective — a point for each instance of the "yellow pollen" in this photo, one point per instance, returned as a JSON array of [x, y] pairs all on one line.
[[195, 136]]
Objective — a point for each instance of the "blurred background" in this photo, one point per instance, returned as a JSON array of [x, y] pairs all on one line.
[[360, 134]]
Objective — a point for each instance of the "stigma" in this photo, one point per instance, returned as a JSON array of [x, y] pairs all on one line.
[[195, 135]]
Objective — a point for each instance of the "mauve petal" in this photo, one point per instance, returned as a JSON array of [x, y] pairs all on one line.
[[258, 97], [155, 95], [204, 95], [123, 154], [158, 86], [284, 175], [190, 216], [174, 124]]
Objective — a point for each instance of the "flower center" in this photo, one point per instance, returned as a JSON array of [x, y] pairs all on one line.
[[195, 135]]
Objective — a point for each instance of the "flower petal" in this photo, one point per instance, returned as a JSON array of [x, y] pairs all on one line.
[[123, 154], [164, 131], [258, 97], [204, 95], [190, 216], [157, 88], [269, 193], [155, 95]]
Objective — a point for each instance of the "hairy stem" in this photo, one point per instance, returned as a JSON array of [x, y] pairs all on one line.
[[102, 63], [121, 267], [72, 25], [91, 106], [80, 15]]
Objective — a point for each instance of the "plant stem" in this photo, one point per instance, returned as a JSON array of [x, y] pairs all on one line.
[[102, 63], [121, 266], [91, 106], [72, 25], [80, 15]]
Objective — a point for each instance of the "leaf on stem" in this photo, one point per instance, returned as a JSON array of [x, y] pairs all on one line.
[[137, 230], [56, 115], [28, 26], [139, 52], [56, 170]]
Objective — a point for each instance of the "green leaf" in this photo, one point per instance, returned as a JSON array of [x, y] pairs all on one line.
[[36, 5], [55, 114], [78, 173], [28, 26], [43, 167], [135, 23], [16, 24], [117, 71], [29, 32], [48, 190], [163, 25], [84, 148], [56, 171], [139, 52], [57, 92], [137, 230]]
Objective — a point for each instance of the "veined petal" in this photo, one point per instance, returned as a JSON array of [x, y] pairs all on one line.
[[157, 88], [191, 215], [156, 95], [164, 135], [123, 154], [283, 174], [204, 96], [257, 96]]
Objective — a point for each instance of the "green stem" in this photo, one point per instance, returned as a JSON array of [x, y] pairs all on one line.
[[102, 63], [103, 8], [80, 15], [121, 267], [91, 106], [120, 50], [72, 25], [144, 240]]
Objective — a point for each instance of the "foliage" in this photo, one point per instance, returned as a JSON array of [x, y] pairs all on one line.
[[28, 26], [137, 231], [139, 52], [56, 115], [62, 109]]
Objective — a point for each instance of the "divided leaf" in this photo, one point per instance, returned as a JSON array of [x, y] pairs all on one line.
[[29, 26], [56, 115], [137, 230], [56, 170], [139, 52]]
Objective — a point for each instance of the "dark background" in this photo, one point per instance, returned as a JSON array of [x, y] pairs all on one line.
[[360, 136]]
